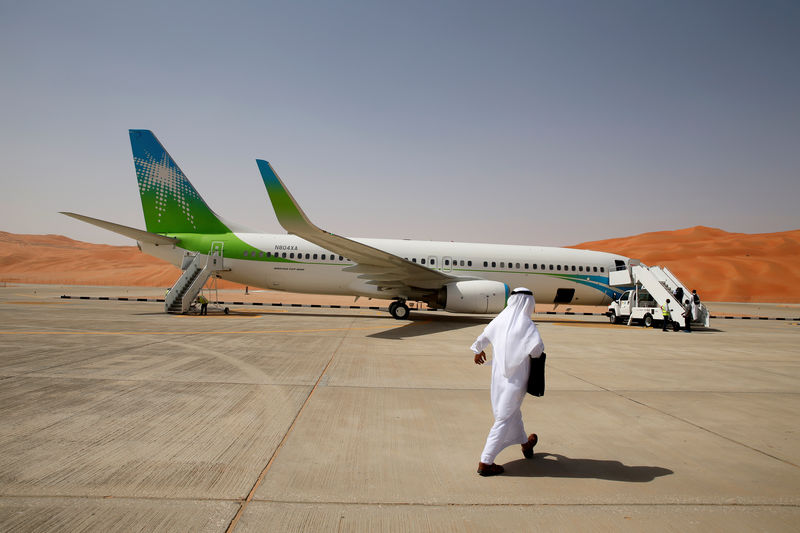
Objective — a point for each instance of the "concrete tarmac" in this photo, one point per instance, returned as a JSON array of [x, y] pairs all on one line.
[[117, 417]]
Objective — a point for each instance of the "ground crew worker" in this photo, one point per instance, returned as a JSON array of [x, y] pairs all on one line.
[[687, 315], [203, 304], [665, 312]]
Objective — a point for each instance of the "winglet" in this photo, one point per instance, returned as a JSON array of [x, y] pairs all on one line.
[[289, 214]]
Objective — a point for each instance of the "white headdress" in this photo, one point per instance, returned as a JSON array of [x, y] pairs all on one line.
[[513, 334]]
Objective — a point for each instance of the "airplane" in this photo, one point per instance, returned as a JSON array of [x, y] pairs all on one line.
[[451, 276]]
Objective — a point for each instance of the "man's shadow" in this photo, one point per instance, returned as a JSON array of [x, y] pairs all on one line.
[[556, 465]]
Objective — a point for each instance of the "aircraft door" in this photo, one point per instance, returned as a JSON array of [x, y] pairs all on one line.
[[447, 264], [216, 256]]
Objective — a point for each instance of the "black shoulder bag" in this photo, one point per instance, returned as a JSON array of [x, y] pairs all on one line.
[[536, 378]]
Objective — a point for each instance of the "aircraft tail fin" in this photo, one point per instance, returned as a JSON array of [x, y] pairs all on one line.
[[169, 201]]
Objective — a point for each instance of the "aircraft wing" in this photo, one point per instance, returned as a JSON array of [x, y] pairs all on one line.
[[133, 233], [380, 268]]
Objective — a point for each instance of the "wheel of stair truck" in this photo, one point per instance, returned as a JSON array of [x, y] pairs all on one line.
[[675, 326], [226, 310], [647, 321], [400, 311], [612, 317]]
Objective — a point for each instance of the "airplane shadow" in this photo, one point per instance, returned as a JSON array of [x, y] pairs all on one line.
[[420, 324], [556, 465]]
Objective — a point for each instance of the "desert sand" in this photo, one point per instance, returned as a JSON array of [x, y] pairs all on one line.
[[722, 266]]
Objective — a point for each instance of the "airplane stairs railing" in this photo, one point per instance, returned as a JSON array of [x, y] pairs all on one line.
[[188, 286], [670, 281]]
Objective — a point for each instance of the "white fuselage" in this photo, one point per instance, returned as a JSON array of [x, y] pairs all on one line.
[[581, 275]]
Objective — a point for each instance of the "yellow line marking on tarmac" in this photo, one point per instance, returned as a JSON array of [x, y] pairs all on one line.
[[201, 332], [579, 323]]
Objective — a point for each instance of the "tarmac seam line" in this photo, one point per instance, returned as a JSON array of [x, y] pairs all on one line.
[[251, 494], [394, 504], [685, 421], [542, 504]]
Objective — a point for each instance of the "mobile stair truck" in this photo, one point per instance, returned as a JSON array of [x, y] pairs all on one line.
[[652, 286]]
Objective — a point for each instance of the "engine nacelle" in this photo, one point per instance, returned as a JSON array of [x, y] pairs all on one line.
[[474, 296]]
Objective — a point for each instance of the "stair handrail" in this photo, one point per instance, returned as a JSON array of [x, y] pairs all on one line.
[[196, 286], [179, 288]]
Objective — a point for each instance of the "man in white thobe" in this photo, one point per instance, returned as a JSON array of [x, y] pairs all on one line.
[[514, 339]]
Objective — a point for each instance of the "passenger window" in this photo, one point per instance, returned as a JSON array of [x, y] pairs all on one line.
[[573, 268], [551, 267], [446, 262], [534, 266], [469, 263], [308, 256], [245, 253], [595, 269], [315, 256], [558, 267], [269, 254], [291, 255], [494, 264], [433, 261], [341, 258], [485, 264], [422, 261], [602, 269], [502, 264], [526, 266], [414, 259], [283, 255], [580, 269]]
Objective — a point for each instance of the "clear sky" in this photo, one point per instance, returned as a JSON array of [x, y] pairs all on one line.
[[524, 122]]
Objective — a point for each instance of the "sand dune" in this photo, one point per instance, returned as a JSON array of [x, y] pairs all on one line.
[[722, 266], [54, 259]]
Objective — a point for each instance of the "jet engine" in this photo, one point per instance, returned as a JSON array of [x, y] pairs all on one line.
[[474, 296]]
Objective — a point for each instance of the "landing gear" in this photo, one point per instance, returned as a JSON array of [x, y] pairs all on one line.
[[399, 309]]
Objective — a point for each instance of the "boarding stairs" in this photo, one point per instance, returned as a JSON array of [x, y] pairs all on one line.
[[661, 284], [197, 269], [670, 281]]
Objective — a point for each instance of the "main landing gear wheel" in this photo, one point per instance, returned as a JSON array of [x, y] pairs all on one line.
[[399, 310]]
